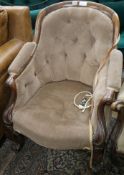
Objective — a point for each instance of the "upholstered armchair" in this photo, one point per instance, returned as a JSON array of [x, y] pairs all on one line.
[[61, 82], [15, 30]]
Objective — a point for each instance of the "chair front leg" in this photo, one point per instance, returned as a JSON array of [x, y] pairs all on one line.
[[115, 129], [100, 135], [7, 116], [99, 139]]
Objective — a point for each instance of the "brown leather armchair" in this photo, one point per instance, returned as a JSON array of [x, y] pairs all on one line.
[[15, 30], [74, 49]]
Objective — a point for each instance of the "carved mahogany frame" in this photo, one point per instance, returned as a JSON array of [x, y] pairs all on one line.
[[7, 118], [117, 128], [99, 138], [100, 134]]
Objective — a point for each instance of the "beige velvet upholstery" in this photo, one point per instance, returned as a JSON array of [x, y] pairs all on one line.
[[59, 124], [22, 58], [72, 43], [63, 34], [106, 79], [115, 70]]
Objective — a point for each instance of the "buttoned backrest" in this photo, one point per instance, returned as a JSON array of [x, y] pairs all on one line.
[[72, 43]]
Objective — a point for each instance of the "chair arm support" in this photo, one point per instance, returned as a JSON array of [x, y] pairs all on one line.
[[7, 116], [23, 58], [119, 103], [100, 134], [117, 106], [8, 52], [15, 70], [118, 122]]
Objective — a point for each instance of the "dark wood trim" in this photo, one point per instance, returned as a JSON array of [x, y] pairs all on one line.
[[108, 11], [117, 106], [99, 138], [100, 134], [7, 116], [116, 129]]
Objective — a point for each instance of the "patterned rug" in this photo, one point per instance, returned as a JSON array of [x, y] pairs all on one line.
[[36, 160]]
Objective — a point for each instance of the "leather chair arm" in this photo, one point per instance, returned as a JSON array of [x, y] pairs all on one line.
[[8, 52], [19, 25]]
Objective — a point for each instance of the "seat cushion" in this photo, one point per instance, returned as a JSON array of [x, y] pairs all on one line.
[[51, 119]]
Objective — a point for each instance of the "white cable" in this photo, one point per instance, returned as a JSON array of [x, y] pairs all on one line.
[[86, 106]]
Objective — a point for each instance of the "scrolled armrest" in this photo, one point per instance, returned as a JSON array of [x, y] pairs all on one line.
[[115, 70], [14, 70], [109, 96], [23, 58], [117, 105]]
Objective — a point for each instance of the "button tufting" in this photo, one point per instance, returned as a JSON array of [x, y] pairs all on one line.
[[75, 40], [56, 38], [28, 83], [47, 61], [65, 54], [68, 21], [35, 74], [93, 40], [84, 56]]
